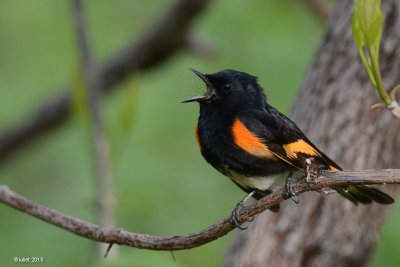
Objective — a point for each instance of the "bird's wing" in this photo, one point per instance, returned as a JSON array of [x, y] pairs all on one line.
[[284, 139]]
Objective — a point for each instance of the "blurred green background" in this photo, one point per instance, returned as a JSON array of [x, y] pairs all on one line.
[[162, 184]]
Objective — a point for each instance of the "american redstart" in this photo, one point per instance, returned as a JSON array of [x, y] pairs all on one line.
[[253, 144]]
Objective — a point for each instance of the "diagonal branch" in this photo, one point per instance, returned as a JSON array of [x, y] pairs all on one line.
[[165, 38], [124, 237]]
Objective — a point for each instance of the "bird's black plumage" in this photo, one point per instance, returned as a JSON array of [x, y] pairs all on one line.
[[255, 145]]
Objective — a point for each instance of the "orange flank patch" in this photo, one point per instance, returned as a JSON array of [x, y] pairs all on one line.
[[247, 141], [196, 133], [299, 146]]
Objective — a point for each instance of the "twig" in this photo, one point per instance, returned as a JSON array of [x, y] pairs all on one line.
[[108, 249], [105, 200], [165, 38], [123, 237]]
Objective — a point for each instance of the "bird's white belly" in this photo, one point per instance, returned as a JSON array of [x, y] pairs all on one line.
[[270, 182]]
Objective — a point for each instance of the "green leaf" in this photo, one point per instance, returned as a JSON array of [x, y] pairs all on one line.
[[367, 22], [357, 32], [375, 29], [367, 31]]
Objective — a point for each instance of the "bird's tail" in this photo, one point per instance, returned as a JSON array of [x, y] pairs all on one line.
[[364, 194]]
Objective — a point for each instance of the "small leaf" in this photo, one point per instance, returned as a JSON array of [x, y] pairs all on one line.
[[357, 32], [367, 30], [367, 22], [367, 25], [375, 29]]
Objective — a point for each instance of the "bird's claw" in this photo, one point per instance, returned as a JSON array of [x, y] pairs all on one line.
[[313, 170], [234, 214], [289, 189]]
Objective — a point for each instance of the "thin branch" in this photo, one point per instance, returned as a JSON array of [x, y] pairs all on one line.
[[164, 39], [123, 237], [105, 199]]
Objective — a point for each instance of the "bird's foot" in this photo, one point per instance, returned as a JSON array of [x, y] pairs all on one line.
[[313, 170], [289, 188], [234, 214]]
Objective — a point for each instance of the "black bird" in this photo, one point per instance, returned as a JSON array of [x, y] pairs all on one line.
[[253, 144]]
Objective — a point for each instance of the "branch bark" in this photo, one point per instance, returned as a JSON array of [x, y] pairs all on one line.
[[120, 236], [164, 39], [332, 108]]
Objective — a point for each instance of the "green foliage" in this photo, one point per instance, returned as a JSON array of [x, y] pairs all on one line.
[[367, 31], [367, 23]]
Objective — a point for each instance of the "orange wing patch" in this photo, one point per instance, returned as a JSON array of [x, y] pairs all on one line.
[[247, 141], [334, 169], [299, 146]]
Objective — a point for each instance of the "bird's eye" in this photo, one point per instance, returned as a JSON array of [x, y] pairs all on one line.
[[227, 87]]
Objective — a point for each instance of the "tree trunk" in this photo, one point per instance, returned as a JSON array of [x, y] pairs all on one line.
[[333, 110]]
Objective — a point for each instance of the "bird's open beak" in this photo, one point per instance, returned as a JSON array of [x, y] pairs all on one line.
[[204, 97], [195, 98], [202, 76]]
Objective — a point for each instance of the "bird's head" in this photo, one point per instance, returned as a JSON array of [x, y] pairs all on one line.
[[229, 89]]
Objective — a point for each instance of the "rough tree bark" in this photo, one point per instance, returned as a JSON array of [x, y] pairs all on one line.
[[333, 109]]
